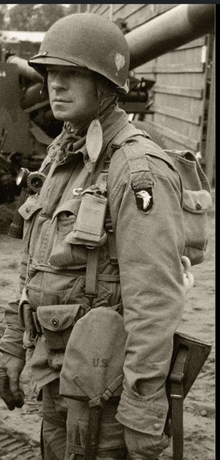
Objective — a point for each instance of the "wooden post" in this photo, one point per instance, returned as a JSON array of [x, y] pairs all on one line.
[[210, 141]]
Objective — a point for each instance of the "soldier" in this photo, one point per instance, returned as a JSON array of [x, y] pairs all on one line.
[[68, 264]]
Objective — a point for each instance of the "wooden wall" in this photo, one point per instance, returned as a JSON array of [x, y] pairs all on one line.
[[179, 94], [180, 90]]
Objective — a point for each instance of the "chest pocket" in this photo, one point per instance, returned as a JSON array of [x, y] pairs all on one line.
[[63, 253], [28, 210]]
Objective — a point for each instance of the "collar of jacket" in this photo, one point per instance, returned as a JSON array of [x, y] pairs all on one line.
[[111, 124]]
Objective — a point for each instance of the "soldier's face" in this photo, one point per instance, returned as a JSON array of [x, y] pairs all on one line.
[[73, 94]]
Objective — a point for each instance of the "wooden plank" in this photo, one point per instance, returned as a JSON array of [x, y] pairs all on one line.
[[183, 56], [175, 68], [118, 8], [153, 10], [129, 9], [176, 136], [198, 43], [100, 8], [134, 107], [103, 9], [178, 114], [138, 14], [134, 18], [179, 91], [129, 12]]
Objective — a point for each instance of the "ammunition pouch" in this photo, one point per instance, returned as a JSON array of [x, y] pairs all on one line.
[[88, 228], [56, 323]]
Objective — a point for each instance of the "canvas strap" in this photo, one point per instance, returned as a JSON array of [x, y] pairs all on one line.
[[135, 164]]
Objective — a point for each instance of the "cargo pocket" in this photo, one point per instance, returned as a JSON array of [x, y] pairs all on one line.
[[195, 208], [63, 253]]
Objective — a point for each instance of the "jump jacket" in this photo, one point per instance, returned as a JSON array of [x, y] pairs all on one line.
[[147, 280]]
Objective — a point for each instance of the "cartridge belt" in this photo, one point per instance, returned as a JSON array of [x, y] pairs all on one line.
[[71, 272]]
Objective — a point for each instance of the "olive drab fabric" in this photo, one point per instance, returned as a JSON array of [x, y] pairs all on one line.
[[97, 368], [86, 40], [196, 196], [197, 201], [149, 244]]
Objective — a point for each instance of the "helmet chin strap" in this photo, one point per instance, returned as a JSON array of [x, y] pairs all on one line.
[[43, 90], [106, 96]]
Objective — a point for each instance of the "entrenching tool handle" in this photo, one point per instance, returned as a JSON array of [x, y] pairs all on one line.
[[16, 227], [93, 431]]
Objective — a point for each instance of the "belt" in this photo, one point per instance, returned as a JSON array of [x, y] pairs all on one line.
[[71, 272]]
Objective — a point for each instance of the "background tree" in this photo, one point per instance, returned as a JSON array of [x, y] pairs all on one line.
[[3, 10], [34, 17]]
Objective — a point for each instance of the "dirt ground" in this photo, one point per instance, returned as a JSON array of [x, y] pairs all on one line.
[[198, 321]]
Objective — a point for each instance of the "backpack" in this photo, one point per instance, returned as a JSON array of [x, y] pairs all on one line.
[[196, 196]]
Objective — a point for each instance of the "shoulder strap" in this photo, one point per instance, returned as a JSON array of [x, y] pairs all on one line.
[[126, 139], [140, 173], [125, 133]]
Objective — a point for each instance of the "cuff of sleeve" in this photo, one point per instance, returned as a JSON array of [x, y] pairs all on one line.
[[146, 415], [13, 344], [12, 350]]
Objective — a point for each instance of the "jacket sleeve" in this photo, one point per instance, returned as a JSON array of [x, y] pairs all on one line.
[[12, 339], [149, 247]]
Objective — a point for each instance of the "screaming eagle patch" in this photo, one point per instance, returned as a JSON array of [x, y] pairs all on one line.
[[144, 199]]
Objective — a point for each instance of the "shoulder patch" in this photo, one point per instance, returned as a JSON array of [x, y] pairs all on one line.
[[144, 199]]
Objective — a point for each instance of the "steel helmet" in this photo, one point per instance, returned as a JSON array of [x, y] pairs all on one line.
[[86, 40]]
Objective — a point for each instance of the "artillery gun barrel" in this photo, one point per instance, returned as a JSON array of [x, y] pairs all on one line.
[[172, 29], [168, 31], [24, 69]]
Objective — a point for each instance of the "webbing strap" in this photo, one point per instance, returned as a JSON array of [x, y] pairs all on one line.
[[177, 396], [92, 272], [101, 399], [96, 405], [137, 162]]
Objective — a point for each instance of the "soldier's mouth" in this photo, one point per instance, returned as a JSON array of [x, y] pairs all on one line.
[[61, 100]]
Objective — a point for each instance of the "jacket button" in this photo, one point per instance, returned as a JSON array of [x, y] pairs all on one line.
[[156, 426], [27, 209], [159, 414], [198, 206], [55, 322]]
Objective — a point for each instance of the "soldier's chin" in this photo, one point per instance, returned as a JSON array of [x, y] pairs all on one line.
[[60, 115]]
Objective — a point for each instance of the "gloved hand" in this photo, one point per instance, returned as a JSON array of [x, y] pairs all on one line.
[[10, 370]]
